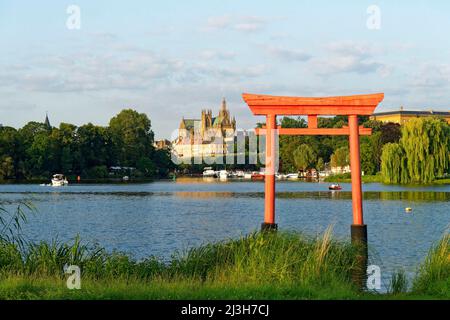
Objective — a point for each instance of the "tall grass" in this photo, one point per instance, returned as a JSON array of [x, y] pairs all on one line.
[[259, 258], [434, 274]]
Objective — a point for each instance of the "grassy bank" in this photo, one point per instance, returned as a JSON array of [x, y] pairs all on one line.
[[259, 266], [346, 178]]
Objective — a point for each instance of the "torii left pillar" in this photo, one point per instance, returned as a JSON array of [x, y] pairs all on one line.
[[271, 158]]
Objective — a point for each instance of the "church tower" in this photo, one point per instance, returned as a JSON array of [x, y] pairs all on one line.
[[47, 122]]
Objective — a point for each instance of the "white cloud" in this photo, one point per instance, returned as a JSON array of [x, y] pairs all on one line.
[[288, 55], [217, 55], [238, 23], [431, 76], [350, 57]]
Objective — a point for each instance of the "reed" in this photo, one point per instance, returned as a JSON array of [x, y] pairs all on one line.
[[433, 276]]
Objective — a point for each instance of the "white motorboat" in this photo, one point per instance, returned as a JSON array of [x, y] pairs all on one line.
[[224, 174], [59, 180], [209, 172], [248, 175], [280, 176], [292, 176], [240, 174]]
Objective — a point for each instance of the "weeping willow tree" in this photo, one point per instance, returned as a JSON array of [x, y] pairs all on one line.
[[422, 154], [393, 160], [426, 144]]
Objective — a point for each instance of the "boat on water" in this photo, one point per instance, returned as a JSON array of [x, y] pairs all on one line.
[[335, 187], [292, 176], [239, 174], [208, 172], [258, 176], [59, 180], [224, 174], [248, 175]]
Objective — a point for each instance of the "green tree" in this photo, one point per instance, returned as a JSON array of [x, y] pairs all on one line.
[[368, 161], [393, 168], [94, 145], [320, 164], [341, 157], [6, 168], [132, 137], [426, 144], [422, 154], [305, 157]]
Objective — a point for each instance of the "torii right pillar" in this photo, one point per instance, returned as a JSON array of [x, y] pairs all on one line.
[[358, 228]]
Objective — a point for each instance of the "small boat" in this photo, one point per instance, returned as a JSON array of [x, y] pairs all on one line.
[[335, 187], [292, 176], [59, 180], [408, 209], [258, 176], [209, 172], [224, 174], [239, 174]]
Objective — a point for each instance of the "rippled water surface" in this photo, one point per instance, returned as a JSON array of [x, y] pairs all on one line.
[[162, 217]]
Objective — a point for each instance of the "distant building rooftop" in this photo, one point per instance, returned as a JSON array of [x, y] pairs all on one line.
[[402, 116], [414, 113]]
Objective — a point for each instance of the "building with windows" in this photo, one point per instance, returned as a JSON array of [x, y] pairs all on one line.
[[401, 116], [207, 136]]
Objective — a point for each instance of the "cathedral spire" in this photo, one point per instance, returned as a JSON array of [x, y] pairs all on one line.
[[224, 104], [47, 121]]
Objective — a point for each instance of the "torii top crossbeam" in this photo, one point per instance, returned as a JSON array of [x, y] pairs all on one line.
[[343, 105], [351, 106]]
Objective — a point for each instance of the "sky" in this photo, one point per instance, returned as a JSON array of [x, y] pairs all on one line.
[[171, 59]]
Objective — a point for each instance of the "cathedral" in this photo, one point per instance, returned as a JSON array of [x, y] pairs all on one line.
[[205, 136]]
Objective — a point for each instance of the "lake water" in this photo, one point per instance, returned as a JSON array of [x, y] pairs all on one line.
[[162, 217]]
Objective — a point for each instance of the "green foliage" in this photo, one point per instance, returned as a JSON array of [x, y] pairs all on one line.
[[132, 136], [320, 165], [393, 164], [434, 274], [421, 156], [11, 224], [258, 266], [341, 157], [368, 162], [6, 167], [399, 283], [426, 143], [38, 151], [305, 157]]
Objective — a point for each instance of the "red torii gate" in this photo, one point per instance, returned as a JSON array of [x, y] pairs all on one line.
[[351, 106]]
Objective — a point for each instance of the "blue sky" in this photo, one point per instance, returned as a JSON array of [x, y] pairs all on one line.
[[173, 58]]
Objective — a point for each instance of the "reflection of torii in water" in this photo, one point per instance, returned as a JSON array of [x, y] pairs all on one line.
[[351, 106]]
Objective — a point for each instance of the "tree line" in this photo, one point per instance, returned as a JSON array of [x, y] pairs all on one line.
[[38, 150], [313, 152]]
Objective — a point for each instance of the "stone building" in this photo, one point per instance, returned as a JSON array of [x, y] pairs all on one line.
[[207, 136]]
